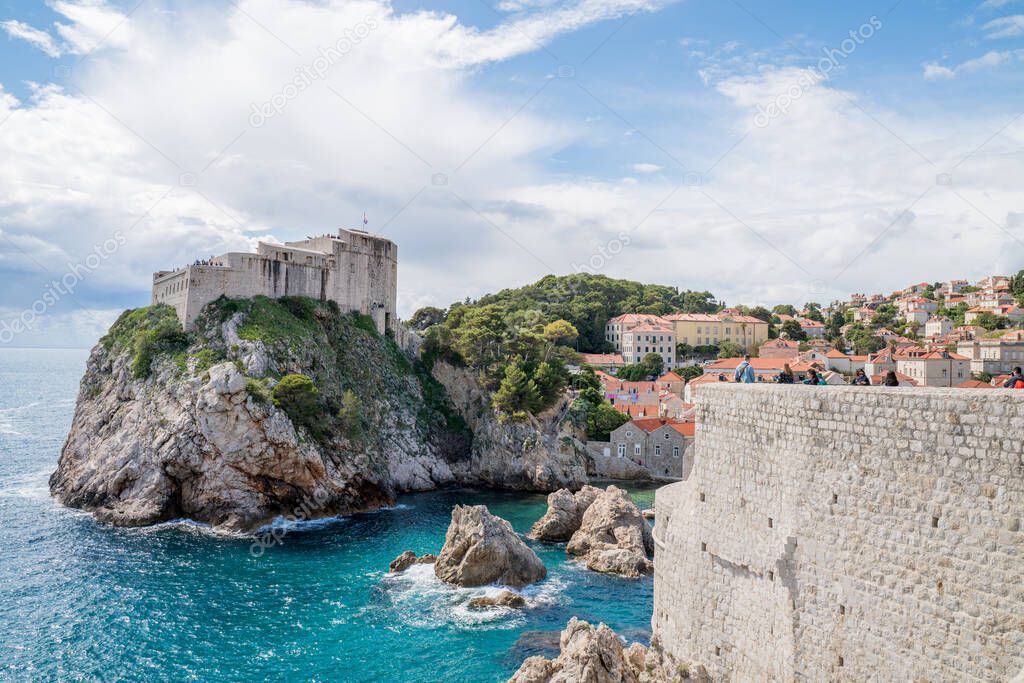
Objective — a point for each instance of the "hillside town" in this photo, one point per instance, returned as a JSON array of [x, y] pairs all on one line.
[[946, 334]]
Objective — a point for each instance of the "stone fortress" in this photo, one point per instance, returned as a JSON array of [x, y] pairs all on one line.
[[847, 534], [355, 269]]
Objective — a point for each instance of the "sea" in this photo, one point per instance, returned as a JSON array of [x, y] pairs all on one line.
[[84, 601]]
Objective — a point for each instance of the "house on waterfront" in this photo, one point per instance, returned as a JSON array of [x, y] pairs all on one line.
[[660, 445]]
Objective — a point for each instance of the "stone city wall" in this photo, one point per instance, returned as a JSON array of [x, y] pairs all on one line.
[[847, 533]]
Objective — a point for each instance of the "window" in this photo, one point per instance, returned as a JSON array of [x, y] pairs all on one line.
[[675, 451], [667, 436], [636, 449], [657, 449], [622, 450]]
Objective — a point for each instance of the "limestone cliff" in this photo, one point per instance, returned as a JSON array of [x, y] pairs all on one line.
[[171, 424], [537, 453]]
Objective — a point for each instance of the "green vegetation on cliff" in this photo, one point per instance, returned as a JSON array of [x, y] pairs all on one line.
[[520, 340], [332, 372]]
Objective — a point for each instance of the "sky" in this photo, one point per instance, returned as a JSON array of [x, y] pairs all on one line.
[[770, 152]]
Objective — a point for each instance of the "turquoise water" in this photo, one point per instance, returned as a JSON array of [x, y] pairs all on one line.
[[84, 601]]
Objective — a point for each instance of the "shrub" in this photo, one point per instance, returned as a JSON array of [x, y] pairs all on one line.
[[205, 359], [257, 388], [351, 414], [297, 396], [364, 322], [165, 337]]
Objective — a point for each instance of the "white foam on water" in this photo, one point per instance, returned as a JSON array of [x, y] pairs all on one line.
[[422, 600], [189, 526], [31, 485], [284, 525]]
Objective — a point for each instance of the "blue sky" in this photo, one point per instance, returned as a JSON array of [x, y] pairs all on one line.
[[617, 136]]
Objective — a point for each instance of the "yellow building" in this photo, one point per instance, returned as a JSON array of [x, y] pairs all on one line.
[[702, 329]]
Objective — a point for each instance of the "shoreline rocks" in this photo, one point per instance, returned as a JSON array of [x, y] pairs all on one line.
[[596, 655], [481, 549], [613, 537], [586, 653], [171, 424], [408, 559], [564, 514], [505, 598]]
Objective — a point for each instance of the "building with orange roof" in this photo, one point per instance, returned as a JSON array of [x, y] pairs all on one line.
[[840, 362], [994, 356], [646, 338], [933, 368], [903, 380], [975, 384], [1013, 313], [616, 328], [938, 326], [711, 329], [812, 328], [779, 348], [603, 360], [672, 383], [660, 445]]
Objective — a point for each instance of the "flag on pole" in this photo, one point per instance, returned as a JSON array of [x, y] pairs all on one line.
[[365, 219]]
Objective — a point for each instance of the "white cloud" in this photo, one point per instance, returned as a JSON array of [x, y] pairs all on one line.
[[995, 4], [989, 60], [40, 39], [935, 72], [784, 216], [646, 168], [1005, 27]]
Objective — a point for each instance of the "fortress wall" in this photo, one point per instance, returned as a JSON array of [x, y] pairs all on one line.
[[357, 270], [172, 289], [847, 533], [251, 275]]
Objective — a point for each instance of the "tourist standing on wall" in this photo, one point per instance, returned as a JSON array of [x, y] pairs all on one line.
[[786, 376], [813, 378], [745, 371], [860, 379], [1015, 380], [890, 379]]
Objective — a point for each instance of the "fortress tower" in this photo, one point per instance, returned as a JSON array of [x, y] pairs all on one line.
[[355, 269]]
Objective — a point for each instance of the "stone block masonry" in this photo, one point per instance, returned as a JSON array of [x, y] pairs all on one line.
[[847, 533], [357, 270]]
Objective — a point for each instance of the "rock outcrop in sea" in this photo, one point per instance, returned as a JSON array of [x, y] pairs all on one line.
[[505, 598], [481, 549], [613, 536], [278, 407], [564, 515], [596, 655], [408, 559]]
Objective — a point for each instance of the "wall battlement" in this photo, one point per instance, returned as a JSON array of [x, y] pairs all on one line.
[[847, 533], [357, 270]]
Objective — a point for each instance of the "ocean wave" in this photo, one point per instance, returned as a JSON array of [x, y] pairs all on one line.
[[32, 485], [421, 600], [285, 525], [189, 526]]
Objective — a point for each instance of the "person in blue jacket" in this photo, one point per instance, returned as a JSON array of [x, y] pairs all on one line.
[[745, 371]]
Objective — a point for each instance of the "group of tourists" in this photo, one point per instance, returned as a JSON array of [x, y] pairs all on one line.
[[745, 374]]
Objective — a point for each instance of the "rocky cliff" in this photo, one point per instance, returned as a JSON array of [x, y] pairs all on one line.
[[279, 407], [536, 453]]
